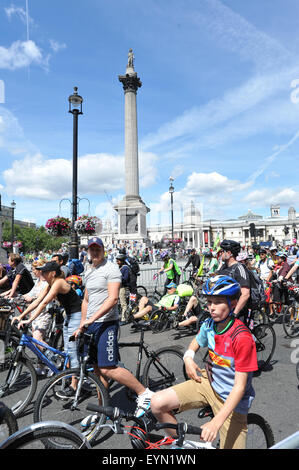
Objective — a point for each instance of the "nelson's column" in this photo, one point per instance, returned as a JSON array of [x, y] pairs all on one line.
[[131, 210]]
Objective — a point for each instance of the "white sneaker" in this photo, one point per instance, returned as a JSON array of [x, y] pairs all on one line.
[[143, 402], [41, 370], [89, 421]]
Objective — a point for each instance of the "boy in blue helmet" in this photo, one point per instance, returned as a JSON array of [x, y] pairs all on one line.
[[225, 384]]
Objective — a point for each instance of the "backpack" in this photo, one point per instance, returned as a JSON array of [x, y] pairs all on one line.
[[76, 266], [257, 290], [133, 265]]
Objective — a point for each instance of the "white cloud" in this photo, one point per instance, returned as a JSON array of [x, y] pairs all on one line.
[[12, 10], [56, 46], [48, 179], [21, 54], [282, 196]]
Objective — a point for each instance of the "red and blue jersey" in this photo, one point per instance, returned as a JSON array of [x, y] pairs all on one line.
[[229, 352]]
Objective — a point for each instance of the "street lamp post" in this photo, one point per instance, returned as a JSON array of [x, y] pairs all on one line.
[[171, 191], [75, 108], [13, 206]]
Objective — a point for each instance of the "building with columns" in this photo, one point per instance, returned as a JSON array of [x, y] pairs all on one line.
[[198, 233]]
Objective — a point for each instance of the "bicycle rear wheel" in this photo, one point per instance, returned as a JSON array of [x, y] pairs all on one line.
[[36, 435], [259, 434], [290, 321], [22, 387], [52, 404], [164, 369], [265, 342]]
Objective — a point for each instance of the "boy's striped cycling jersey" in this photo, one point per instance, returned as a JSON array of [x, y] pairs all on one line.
[[229, 352]]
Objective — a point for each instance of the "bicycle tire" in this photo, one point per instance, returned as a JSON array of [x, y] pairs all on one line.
[[23, 386], [156, 320], [42, 432], [291, 327], [8, 422], [265, 342], [142, 291], [259, 434], [297, 370], [164, 369], [49, 406]]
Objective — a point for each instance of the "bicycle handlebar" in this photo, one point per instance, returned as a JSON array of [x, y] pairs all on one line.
[[180, 427], [114, 413]]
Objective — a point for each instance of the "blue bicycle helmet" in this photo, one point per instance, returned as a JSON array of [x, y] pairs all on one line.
[[164, 254], [221, 285]]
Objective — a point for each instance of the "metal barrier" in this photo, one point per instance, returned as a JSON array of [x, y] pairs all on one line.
[[146, 276]]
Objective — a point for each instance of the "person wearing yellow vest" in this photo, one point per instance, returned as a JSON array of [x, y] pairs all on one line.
[[171, 269]]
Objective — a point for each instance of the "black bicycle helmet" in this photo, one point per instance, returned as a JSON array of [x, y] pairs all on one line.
[[121, 257], [231, 245]]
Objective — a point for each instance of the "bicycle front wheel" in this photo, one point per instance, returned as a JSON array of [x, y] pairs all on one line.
[[142, 291], [290, 321], [164, 369], [36, 435], [158, 321], [53, 404], [265, 342], [21, 390], [259, 433], [8, 422]]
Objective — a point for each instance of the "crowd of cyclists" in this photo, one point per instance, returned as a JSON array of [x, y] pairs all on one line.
[[91, 290]]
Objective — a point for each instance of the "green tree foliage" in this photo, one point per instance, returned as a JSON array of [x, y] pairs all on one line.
[[33, 239]]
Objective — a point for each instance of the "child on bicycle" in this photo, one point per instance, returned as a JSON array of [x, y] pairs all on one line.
[[225, 385], [75, 282]]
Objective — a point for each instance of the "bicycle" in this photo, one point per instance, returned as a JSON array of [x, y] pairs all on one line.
[[53, 403], [54, 334], [20, 381], [290, 321], [156, 295], [278, 308], [259, 433], [265, 340], [8, 422], [163, 368], [141, 434], [36, 436]]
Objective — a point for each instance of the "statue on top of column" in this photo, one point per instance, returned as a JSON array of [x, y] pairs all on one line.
[[131, 58]]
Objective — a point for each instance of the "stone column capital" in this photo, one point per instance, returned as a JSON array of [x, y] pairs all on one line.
[[130, 82]]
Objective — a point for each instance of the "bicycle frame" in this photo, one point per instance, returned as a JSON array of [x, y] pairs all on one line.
[[141, 347], [32, 343]]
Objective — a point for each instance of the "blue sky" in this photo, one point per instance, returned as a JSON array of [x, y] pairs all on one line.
[[218, 109]]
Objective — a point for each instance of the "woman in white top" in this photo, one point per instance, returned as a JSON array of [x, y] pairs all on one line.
[[41, 324]]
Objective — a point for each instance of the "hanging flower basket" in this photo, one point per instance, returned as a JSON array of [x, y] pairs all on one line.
[[6, 244], [18, 244], [86, 225], [58, 226]]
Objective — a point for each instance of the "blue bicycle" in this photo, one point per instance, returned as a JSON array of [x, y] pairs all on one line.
[[18, 378]]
